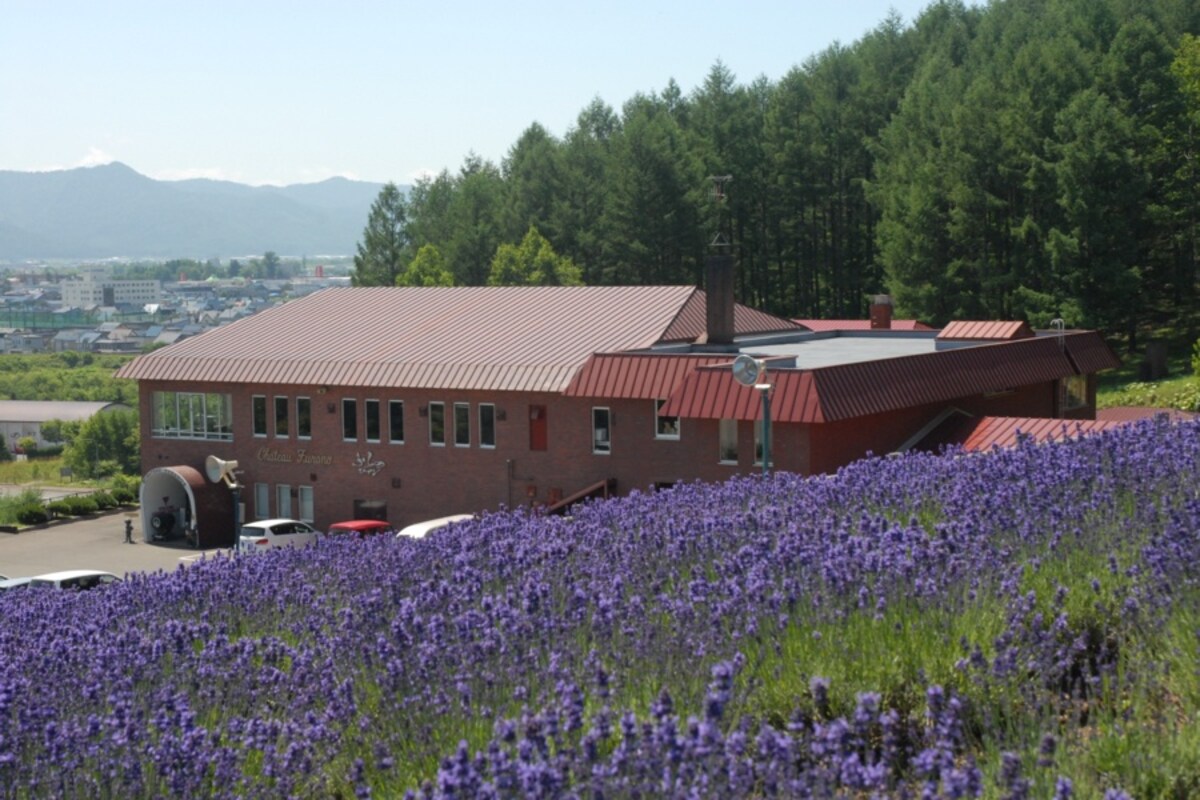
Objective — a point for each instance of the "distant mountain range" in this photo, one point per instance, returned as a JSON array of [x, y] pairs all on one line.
[[113, 211]]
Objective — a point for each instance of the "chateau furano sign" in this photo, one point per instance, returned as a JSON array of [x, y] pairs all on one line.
[[299, 456]]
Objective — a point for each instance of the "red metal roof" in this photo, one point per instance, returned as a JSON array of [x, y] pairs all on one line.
[[823, 325], [691, 324], [1089, 353], [485, 338], [1134, 413], [846, 391], [966, 329], [637, 376], [987, 433]]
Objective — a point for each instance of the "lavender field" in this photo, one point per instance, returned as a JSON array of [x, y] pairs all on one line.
[[1018, 624]]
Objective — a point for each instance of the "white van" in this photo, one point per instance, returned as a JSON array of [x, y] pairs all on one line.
[[419, 530], [74, 579]]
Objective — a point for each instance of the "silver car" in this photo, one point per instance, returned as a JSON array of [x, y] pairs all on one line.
[[263, 534]]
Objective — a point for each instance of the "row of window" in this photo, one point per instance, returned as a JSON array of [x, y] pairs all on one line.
[[284, 495], [372, 427], [192, 415], [196, 415], [668, 428]]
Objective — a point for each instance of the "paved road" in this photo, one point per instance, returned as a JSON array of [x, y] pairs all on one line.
[[93, 543]]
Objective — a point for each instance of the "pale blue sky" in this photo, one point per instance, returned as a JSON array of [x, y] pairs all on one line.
[[261, 91]]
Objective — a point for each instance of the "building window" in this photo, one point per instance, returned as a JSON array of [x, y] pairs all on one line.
[[306, 504], [349, 419], [396, 421], [281, 417], [1075, 392], [487, 425], [601, 430], [262, 500], [758, 444], [728, 441], [664, 427], [303, 418], [462, 424], [373, 421], [283, 500], [437, 424], [192, 415], [259, 406]]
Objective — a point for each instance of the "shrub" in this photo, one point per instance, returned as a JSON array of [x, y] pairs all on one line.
[[32, 514], [58, 508], [126, 483], [103, 500], [82, 505], [123, 496], [49, 451]]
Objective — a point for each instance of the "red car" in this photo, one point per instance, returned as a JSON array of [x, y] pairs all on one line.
[[360, 527]]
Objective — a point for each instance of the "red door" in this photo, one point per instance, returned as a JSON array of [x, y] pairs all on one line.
[[537, 428]]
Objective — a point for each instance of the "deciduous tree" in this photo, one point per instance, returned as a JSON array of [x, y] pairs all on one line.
[[532, 263]]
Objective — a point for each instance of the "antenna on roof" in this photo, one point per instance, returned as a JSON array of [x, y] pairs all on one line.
[[718, 194], [719, 182]]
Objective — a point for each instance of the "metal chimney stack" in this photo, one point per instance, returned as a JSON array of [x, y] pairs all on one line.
[[881, 312]]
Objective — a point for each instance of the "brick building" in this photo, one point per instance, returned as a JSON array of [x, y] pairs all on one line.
[[411, 403]]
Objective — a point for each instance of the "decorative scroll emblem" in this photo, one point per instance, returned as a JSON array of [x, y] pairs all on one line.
[[367, 466]]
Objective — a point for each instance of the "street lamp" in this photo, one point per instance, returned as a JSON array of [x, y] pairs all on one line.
[[751, 371]]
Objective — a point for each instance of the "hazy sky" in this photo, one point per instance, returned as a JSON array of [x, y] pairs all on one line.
[[259, 91]]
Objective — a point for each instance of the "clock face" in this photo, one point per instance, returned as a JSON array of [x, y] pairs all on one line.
[[747, 370]]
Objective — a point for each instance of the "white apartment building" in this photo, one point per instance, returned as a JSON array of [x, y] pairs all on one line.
[[95, 287]]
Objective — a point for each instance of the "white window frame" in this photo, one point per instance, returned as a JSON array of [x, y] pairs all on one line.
[[307, 504], [441, 410], [266, 421], [659, 422], [368, 404], [283, 501], [277, 401], [392, 438], [349, 402], [462, 413], [300, 435], [491, 409], [262, 501], [192, 415], [1075, 392], [723, 425], [601, 435]]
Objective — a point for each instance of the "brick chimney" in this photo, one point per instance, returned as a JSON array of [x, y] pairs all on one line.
[[718, 284], [881, 312]]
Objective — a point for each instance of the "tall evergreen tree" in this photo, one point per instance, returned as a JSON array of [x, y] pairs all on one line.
[[476, 221], [382, 253], [1101, 191], [533, 177], [578, 214], [653, 212]]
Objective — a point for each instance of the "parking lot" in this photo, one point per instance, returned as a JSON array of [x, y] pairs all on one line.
[[92, 543]]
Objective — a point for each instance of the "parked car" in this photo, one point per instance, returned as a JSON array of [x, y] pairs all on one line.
[[419, 530], [263, 534], [73, 579], [14, 583], [360, 527]]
